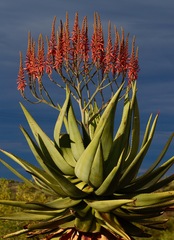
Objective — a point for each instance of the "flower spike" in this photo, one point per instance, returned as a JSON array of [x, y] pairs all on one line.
[[109, 52], [88, 66], [21, 82], [133, 67]]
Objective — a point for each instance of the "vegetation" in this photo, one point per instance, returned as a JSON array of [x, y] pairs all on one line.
[[89, 172], [11, 189]]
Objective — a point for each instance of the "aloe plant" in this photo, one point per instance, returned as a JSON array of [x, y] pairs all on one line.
[[91, 167]]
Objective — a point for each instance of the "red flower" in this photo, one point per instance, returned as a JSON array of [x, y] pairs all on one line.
[[21, 76], [108, 60], [133, 67], [40, 62], [66, 42], [52, 43], [31, 65], [59, 49], [122, 58], [84, 42], [97, 43], [72, 54]]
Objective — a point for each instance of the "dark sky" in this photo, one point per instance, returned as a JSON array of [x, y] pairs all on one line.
[[151, 21]]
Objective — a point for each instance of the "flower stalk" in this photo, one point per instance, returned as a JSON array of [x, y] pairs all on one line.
[[88, 67]]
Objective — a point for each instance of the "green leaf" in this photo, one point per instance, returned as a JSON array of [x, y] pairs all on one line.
[[66, 150], [107, 205], [41, 159], [57, 221], [132, 170], [13, 170], [135, 136], [84, 164], [93, 118], [162, 154], [40, 174], [113, 224], [22, 216], [147, 130], [150, 182], [83, 224], [121, 139], [132, 229], [63, 203], [24, 205], [49, 145], [76, 140], [96, 173], [148, 199], [111, 105], [60, 119], [109, 184]]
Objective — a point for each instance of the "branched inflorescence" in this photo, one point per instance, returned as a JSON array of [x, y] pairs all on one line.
[[87, 66]]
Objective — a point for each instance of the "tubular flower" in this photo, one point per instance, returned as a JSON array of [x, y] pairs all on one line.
[[51, 45], [49, 62], [40, 58], [133, 67], [59, 49], [75, 49], [115, 50], [109, 52], [52, 42], [31, 61], [84, 43], [75, 45], [122, 58], [77, 59], [66, 42], [97, 43], [21, 83]]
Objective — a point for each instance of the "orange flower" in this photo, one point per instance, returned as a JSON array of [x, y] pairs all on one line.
[[21, 83], [108, 60], [97, 43], [52, 43], [84, 42], [71, 54], [40, 58], [122, 58], [31, 65], [133, 67], [66, 42], [59, 49]]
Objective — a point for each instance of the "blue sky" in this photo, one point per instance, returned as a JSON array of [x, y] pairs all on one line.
[[152, 21]]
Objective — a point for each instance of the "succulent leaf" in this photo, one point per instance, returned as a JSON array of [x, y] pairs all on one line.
[[54, 153], [113, 224], [76, 141], [61, 117], [108, 186], [96, 173], [20, 176], [107, 205], [147, 199], [133, 168], [84, 164]]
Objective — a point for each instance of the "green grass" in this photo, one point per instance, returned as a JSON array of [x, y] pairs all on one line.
[[10, 189]]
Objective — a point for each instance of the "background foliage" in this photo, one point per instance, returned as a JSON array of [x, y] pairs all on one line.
[[19, 191]]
